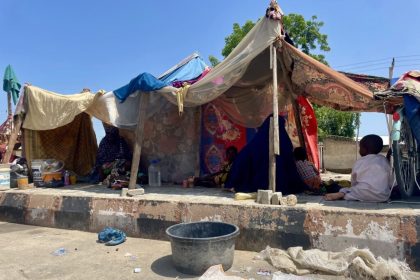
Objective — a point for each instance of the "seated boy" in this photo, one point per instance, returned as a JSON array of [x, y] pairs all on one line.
[[306, 169], [371, 174]]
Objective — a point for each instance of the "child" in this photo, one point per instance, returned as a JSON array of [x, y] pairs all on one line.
[[306, 169], [371, 175], [219, 178]]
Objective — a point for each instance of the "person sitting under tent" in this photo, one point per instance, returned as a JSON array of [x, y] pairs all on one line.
[[371, 178], [219, 178], [250, 170], [113, 153], [306, 169]]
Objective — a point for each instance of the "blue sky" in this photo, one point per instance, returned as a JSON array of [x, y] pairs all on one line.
[[65, 46]]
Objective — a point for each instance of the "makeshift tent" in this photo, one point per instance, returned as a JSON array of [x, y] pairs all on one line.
[[248, 86]]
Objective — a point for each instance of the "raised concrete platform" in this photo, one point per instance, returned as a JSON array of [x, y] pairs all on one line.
[[389, 230]]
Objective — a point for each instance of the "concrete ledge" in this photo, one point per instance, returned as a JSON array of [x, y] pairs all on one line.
[[388, 230]]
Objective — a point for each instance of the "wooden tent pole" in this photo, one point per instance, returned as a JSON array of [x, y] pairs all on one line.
[[13, 138], [17, 125], [9, 103], [274, 145], [272, 156], [144, 97], [295, 105]]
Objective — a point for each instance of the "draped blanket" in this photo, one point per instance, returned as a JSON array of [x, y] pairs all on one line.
[[74, 144]]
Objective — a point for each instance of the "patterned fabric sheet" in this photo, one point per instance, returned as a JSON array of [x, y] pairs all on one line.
[[77, 146], [408, 83], [217, 134], [372, 83], [172, 139], [324, 86]]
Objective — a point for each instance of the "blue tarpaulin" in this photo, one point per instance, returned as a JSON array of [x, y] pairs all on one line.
[[412, 113], [147, 82], [188, 71], [143, 82]]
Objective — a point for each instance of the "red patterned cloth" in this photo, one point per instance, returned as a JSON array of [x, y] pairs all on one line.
[[218, 133], [310, 129]]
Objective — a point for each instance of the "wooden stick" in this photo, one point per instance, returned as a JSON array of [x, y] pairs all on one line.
[[144, 97], [9, 103], [295, 105], [276, 148], [272, 158], [13, 138]]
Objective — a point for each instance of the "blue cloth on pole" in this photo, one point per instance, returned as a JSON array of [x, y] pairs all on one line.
[[111, 236], [186, 72], [412, 113], [144, 82]]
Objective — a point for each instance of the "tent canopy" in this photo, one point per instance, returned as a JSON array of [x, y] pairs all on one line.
[[241, 85]]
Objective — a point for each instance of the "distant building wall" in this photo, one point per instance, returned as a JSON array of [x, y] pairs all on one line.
[[339, 154]]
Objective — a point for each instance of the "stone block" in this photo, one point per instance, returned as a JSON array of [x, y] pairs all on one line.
[[275, 199], [264, 196]]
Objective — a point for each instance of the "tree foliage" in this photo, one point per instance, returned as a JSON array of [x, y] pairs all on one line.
[[307, 36], [213, 60], [237, 35], [332, 122]]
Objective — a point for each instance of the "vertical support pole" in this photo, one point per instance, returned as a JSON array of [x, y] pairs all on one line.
[[144, 97], [9, 103], [13, 138], [389, 117], [198, 116], [274, 147], [272, 156]]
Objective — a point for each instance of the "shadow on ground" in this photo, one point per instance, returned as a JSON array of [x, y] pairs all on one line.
[[164, 267]]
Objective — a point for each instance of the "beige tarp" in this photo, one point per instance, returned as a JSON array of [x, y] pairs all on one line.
[[48, 110]]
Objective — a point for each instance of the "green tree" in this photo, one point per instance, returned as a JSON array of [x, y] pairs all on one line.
[[213, 60], [306, 36]]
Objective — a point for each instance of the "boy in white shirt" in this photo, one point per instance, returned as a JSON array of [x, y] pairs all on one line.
[[371, 174]]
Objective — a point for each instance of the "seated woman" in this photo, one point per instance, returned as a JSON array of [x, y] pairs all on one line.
[[306, 169], [219, 178], [250, 169], [113, 155]]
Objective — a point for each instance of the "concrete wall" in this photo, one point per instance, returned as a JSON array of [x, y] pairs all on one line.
[[390, 234], [339, 154]]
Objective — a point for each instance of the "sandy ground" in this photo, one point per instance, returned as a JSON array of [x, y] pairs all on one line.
[[26, 253]]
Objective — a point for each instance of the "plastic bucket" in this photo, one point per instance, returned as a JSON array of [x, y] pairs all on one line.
[[198, 246], [22, 182]]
